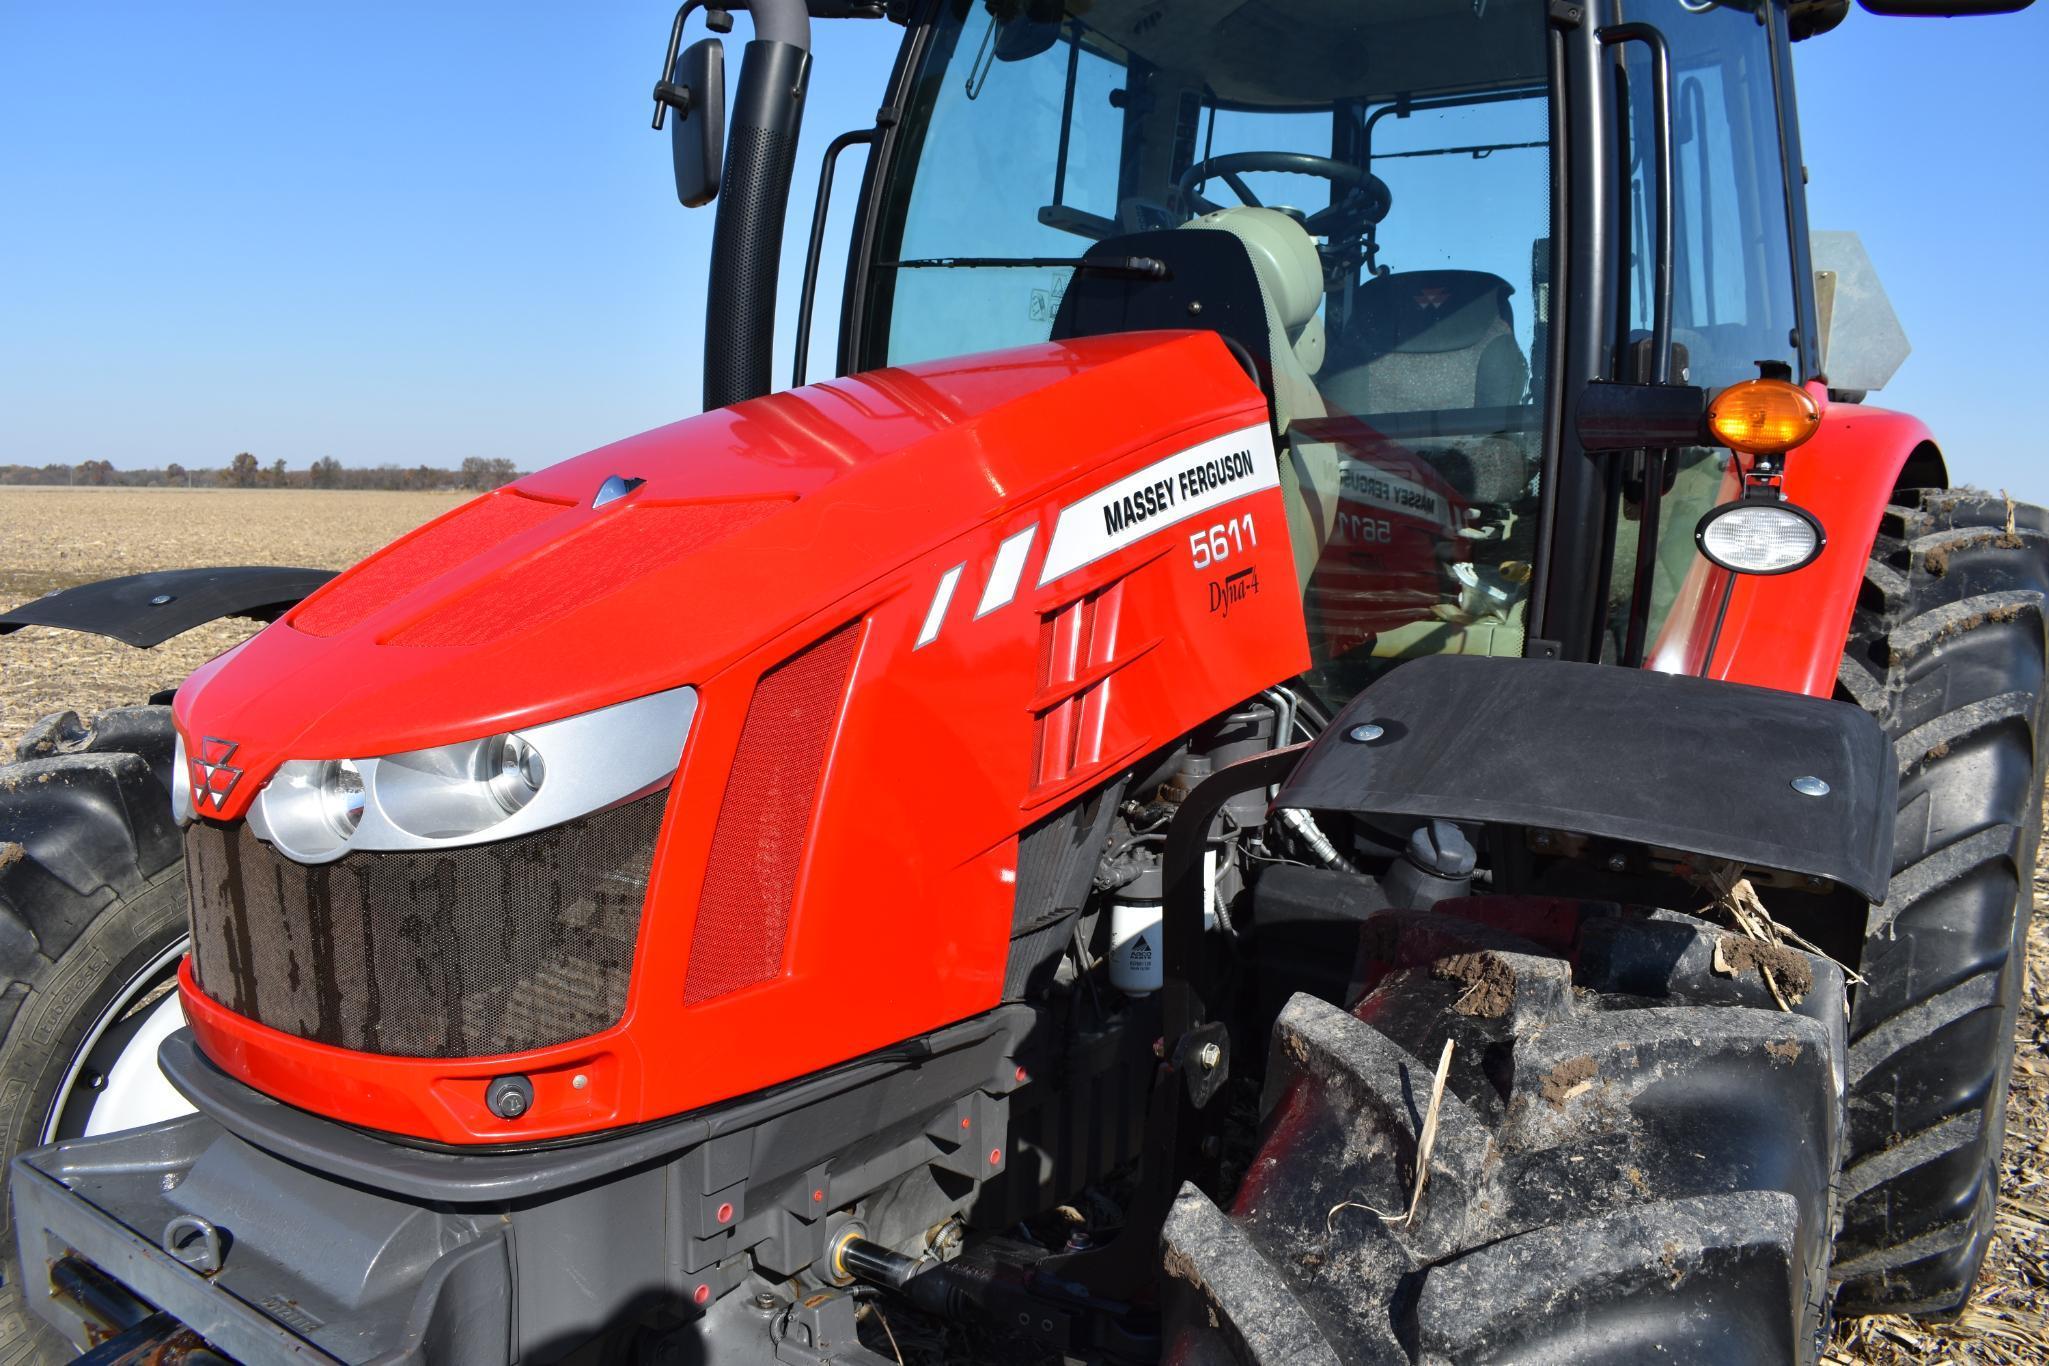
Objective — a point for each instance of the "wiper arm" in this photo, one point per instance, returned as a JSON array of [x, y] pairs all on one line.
[[1143, 267]]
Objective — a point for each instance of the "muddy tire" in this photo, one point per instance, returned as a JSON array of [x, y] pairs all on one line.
[[92, 917], [1947, 651], [1634, 1155]]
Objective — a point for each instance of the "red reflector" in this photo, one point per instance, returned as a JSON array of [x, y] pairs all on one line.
[[750, 880]]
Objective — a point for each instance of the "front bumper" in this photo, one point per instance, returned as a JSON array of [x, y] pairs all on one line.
[[280, 1236], [328, 1273]]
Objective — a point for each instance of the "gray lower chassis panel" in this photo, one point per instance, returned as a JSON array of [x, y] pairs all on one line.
[[343, 1246], [52, 1223], [325, 1273]]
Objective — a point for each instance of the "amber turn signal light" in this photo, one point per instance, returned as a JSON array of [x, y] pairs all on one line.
[[1763, 416]]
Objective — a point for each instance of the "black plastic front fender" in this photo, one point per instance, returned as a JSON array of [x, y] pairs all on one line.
[[1689, 764], [148, 609]]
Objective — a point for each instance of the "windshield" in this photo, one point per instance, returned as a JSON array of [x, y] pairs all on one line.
[[1409, 139]]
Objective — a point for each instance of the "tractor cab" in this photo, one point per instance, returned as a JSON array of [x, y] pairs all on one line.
[[1426, 225], [1374, 191]]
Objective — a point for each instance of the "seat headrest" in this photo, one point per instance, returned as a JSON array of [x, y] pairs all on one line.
[[1420, 311], [1283, 254]]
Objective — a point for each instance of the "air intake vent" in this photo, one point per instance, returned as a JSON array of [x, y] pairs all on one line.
[[398, 569], [493, 948], [614, 549], [1077, 656], [757, 848]]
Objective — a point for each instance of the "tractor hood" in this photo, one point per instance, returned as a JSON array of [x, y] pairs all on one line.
[[660, 560]]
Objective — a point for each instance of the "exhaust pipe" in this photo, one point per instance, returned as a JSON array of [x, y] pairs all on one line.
[[747, 239]]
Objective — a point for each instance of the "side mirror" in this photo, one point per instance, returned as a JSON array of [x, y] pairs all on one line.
[[1022, 39], [696, 90], [1943, 9], [1862, 342], [1029, 29]]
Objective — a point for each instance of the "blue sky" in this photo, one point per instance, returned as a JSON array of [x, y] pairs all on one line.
[[413, 233]]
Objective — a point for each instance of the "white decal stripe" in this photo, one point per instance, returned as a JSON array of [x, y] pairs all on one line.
[[936, 613], [1010, 563], [1218, 471]]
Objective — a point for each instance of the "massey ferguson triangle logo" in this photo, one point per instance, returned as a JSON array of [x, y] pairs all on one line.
[[213, 777]]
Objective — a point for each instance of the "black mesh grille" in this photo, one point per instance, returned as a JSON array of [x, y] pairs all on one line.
[[492, 948]]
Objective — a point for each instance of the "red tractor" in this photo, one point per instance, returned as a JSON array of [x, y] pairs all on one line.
[[1340, 740]]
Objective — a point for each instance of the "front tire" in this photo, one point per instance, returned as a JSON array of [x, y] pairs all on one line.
[[1634, 1157], [1947, 651], [92, 923]]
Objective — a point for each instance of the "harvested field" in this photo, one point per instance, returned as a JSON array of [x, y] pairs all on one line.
[[55, 537], [52, 538]]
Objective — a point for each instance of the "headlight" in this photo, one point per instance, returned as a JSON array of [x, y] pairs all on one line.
[[341, 796], [1760, 536], [513, 770], [491, 788]]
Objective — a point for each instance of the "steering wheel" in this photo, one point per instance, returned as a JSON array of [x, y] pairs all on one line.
[[1363, 202]]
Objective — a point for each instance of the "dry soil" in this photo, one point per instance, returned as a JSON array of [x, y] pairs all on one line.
[[53, 538]]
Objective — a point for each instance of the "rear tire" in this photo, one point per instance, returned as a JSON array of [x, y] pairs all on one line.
[[92, 918], [1947, 650], [1634, 1156]]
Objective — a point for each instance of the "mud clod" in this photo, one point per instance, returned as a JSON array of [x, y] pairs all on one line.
[[2009, 612], [1936, 751], [1736, 955], [1936, 560], [1567, 1080], [1490, 983], [11, 854], [1785, 1050]]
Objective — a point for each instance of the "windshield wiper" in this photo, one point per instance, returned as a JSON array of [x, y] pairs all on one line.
[[1144, 267]]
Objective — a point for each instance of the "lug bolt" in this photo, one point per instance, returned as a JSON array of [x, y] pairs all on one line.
[[1210, 1056], [1810, 786], [1366, 734]]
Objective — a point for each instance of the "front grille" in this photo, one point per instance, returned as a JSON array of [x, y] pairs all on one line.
[[491, 948]]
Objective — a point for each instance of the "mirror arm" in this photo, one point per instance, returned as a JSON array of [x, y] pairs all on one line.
[[668, 94]]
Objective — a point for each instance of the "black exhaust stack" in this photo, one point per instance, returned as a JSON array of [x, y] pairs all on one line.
[[747, 240]]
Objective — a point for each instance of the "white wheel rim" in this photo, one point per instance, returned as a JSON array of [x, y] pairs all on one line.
[[133, 1091]]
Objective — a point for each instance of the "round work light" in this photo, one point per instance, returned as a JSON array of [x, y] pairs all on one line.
[[1760, 536]]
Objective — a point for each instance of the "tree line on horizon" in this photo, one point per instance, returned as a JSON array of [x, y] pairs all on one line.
[[245, 471]]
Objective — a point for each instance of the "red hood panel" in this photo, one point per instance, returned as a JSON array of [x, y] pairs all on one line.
[[528, 604]]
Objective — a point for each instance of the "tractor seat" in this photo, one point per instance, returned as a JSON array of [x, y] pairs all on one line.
[[1428, 340], [1253, 276], [1290, 275]]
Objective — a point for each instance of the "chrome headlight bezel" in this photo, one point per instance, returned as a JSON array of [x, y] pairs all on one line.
[[181, 787], [464, 792]]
